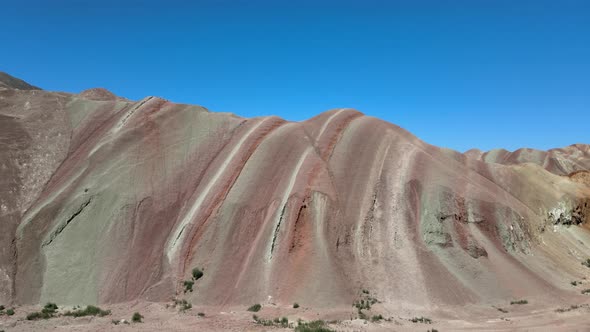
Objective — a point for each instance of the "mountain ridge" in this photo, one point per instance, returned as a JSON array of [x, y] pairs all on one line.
[[10, 82], [106, 200]]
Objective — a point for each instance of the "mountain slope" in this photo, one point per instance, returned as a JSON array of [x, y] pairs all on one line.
[[10, 82], [106, 200]]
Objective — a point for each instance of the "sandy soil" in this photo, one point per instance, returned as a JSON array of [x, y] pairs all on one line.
[[164, 317]]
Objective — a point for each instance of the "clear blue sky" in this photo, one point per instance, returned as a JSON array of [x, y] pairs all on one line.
[[458, 74]]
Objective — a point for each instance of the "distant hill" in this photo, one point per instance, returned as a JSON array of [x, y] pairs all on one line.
[[7, 81]]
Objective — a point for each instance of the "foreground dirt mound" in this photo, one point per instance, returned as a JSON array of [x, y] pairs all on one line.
[[105, 200]]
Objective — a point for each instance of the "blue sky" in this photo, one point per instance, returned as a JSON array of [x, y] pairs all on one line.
[[458, 74]]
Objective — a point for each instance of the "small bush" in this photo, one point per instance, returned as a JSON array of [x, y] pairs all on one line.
[[50, 308], [2, 307], [88, 311], [586, 263], [362, 304], [33, 316], [197, 273], [314, 326], [38, 315], [572, 307], [365, 291], [586, 291], [201, 314], [188, 286], [519, 302], [183, 305], [10, 312], [255, 308], [574, 283], [295, 305], [137, 318], [47, 312], [278, 322], [376, 318], [263, 322], [502, 310], [423, 320], [362, 315]]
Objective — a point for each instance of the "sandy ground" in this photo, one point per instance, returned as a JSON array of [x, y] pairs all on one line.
[[163, 317]]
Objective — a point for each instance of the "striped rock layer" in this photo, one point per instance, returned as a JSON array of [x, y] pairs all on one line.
[[106, 200]]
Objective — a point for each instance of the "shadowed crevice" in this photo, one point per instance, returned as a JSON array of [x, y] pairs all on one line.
[[61, 227]]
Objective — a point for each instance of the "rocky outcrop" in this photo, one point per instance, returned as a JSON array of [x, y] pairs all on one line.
[[98, 94], [565, 214]]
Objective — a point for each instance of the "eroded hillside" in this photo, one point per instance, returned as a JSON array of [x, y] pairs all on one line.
[[106, 200]]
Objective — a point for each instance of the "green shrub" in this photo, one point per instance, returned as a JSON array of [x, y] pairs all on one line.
[[314, 326], [38, 315], [255, 308], [183, 304], [362, 304], [201, 314], [137, 318], [10, 312], [2, 307], [88, 311], [197, 273], [278, 322], [362, 315], [574, 283], [586, 291], [50, 308], [572, 307], [263, 322], [188, 286], [295, 305], [376, 318], [519, 302], [34, 316], [47, 312], [586, 263], [186, 306], [424, 320]]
